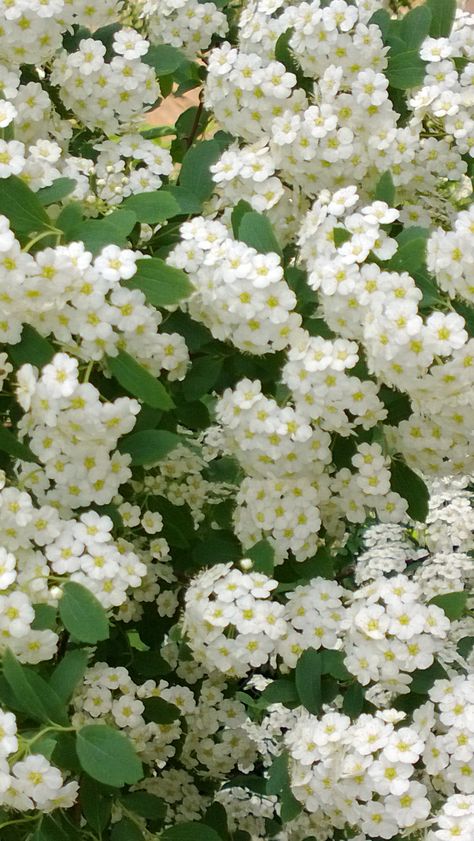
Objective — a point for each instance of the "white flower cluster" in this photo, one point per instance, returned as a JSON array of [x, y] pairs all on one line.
[[378, 777], [78, 300], [290, 485], [74, 434], [240, 295], [223, 599], [39, 548], [337, 123], [449, 256], [184, 23], [30, 782]]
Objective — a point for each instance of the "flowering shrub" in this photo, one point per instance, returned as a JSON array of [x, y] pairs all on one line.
[[236, 530]]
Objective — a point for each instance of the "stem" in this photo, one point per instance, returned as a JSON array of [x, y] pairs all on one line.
[[88, 371], [195, 128], [39, 237]]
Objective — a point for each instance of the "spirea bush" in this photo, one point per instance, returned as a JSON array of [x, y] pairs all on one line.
[[236, 391]]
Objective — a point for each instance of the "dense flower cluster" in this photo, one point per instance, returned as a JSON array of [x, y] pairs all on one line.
[[236, 531]]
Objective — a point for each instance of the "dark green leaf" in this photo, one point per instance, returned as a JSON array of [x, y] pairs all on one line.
[[58, 190], [69, 218], [263, 557], [68, 673], [412, 488], [55, 828], [341, 236], [160, 711], [333, 664], [32, 348], [381, 18], [281, 691], [11, 445], [161, 284], [164, 59], [411, 252], [201, 377], [126, 830], [22, 207], [453, 604], [249, 781], [149, 445], [35, 696], [96, 234], [108, 756], [138, 381], [146, 805], [290, 806], [278, 777], [153, 207], [443, 13], [423, 679], [415, 27], [195, 174], [82, 614], [241, 208], [353, 702], [405, 70], [255, 230], [385, 189], [95, 805], [308, 680], [192, 831]]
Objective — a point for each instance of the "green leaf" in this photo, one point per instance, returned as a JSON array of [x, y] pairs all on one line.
[[82, 614], [385, 189], [255, 230], [281, 691], [54, 828], [250, 781], [161, 284], [58, 190], [164, 59], [126, 830], [68, 673], [308, 680], [195, 173], [411, 252], [69, 218], [146, 805], [453, 604], [45, 617], [96, 234], [278, 777], [32, 348], [353, 702], [412, 488], [36, 697], [192, 831], [11, 445], [95, 806], [340, 236], [333, 664], [187, 201], [415, 26], [443, 13], [405, 70], [22, 207], [149, 445], [153, 207], [138, 381], [241, 208], [290, 806], [201, 377], [381, 18], [160, 711], [263, 557], [108, 756], [423, 679]]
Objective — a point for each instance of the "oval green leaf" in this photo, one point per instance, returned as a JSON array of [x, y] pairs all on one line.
[[82, 614], [108, 756]]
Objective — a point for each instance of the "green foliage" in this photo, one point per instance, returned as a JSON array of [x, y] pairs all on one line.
[[453, 604], [33, 695], [161, 284], [22, 207], [255, 230], [308, 680], [149, 445], [138, 381], [443, 13], [107, 756], [82, 614], [409, 485]]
